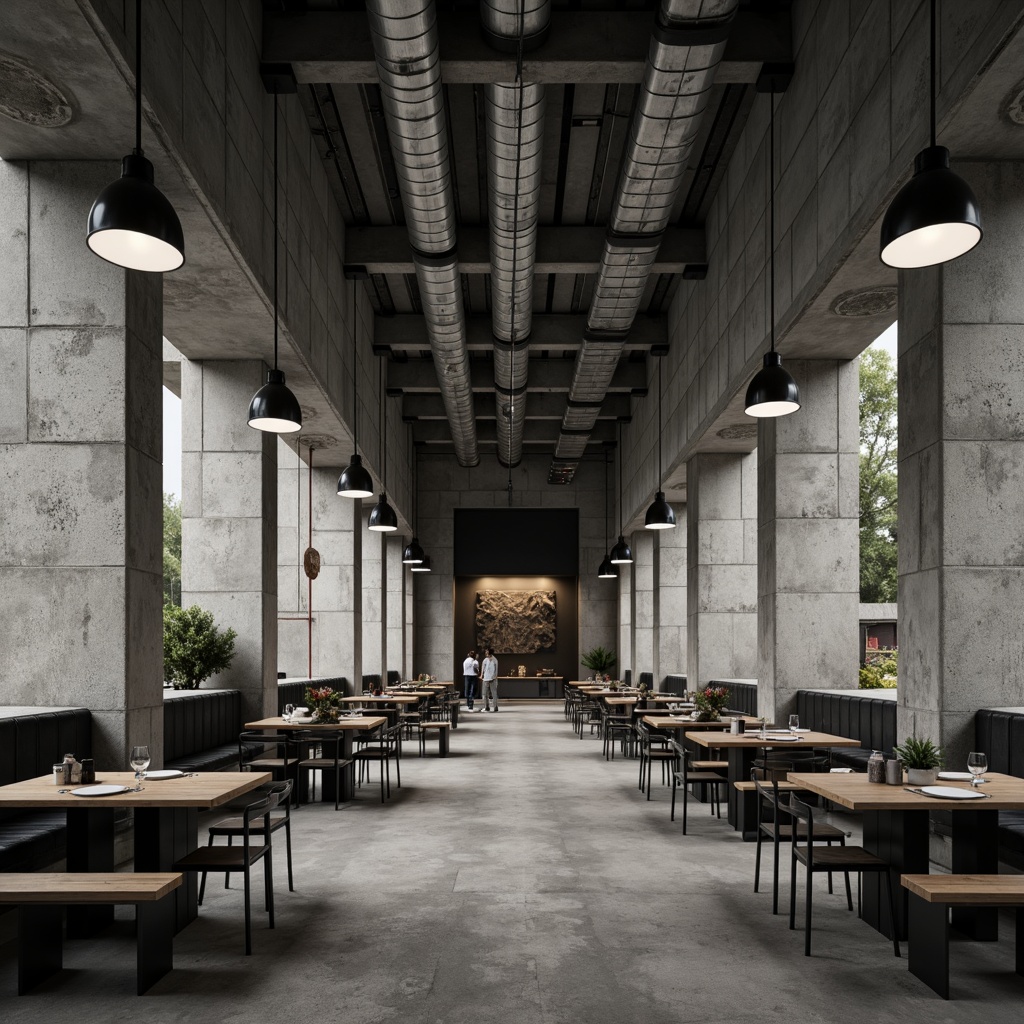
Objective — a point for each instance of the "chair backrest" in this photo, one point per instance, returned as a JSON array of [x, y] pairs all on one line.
[[766, 782], [247, 752], [802, 812]]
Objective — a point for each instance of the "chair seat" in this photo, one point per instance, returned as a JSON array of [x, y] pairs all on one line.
[[786, 831], [370, 752], [219, 858], [236, 826], [662, 755], [322, 762], [703, 778], [842, 858], [271, 762]]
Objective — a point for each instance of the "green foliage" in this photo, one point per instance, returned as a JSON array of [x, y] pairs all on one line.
[[172, 550], [324, 702], [878, 401], [597, 659], [194, 648], [915, 753], [871, 678]]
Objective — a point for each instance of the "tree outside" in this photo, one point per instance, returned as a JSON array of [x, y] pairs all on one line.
[[878, 440], [172, 551]]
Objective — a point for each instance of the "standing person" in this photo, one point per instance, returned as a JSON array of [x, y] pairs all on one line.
[[470, 671], [489, 677]]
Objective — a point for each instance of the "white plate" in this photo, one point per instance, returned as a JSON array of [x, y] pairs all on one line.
[[799, 730], [773, 738], [295, 719], [949, 793], [100, 790], [165, 773], [958, 777]]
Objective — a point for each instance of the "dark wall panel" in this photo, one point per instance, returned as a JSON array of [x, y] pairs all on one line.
[[513, 541]]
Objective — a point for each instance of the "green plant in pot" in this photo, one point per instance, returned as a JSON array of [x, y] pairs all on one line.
[[599, 659], [921, 758]]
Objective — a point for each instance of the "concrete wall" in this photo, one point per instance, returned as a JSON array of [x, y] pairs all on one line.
[[443, 485], [670, 562], [644, 640]]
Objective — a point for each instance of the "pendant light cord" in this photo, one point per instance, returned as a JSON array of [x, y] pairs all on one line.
[[515, 243], [618, 467], [931, 69], [606, 504], [660, 358], [138, 77], [275, 229], [383, 433], [771, 214]]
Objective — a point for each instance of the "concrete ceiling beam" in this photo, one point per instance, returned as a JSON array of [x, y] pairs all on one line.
[[552, 332], [560, 250], [599, 47], [534, 432], [539, 406], [546, 375]]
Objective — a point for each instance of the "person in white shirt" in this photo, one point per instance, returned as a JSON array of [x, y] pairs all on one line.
[[470, 672], [489, 677]]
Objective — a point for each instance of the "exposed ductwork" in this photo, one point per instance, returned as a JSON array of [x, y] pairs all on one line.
[[405, 45], [514, 203], [686, 48]]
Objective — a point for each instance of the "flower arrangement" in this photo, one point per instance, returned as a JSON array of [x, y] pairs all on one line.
[[324, 703], [710, 702]]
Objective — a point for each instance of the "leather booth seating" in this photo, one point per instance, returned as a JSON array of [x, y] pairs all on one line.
[[372, 681], [201, 729], [293, 691], [673, 684], [646, 677], [999, 732], [855, 714], [32, 741], [394, 677]]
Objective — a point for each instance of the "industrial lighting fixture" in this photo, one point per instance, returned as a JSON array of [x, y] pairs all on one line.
[[621, 553], [382, 516], [355, 481], [413, 553], [424, 566], [132, 224], [661, 515], [772, 392], [934, 218], [606, 571], [274, 408]]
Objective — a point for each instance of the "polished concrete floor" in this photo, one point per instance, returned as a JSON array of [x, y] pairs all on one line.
[[522, 879]]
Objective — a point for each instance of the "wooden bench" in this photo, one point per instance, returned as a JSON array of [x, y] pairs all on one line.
[[747, 786], [709, 766], [42, 896], [931, 896], [441, 728]]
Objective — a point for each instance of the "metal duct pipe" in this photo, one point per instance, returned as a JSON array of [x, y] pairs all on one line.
[[686, 48], [405, 45], [513, 209]]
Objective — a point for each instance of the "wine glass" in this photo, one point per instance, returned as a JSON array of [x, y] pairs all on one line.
[[794, 723], [977, 765], [140, 762]]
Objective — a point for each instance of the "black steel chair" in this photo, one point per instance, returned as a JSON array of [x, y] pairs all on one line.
[[326, 756], [775, 823], [818, 859], [654, 748], [255, 847], [384, 743], [268, 752], [686, 777]]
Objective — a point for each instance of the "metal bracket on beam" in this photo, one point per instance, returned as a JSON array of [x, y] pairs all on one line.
[[774, 78], [278, 78]]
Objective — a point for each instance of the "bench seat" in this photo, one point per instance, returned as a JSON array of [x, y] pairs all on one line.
[[931, 896], [42, 896], [37, 838]]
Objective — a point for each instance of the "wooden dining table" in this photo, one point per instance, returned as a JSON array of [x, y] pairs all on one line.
[[896, 828], [345, 727], [741, 752], [166, 813]]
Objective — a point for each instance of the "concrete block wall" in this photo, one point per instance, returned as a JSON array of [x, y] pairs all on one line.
[[443, 486], [642, 543], [670, 598]]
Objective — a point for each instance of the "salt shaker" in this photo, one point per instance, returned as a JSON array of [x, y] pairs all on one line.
[[876, 767], [894, 772]]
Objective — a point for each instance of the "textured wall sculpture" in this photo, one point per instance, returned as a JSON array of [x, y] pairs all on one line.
[[515, 621]]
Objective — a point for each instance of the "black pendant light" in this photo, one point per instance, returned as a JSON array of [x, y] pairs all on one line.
[[382, 516], [934, 218], [413, 553], [661, 515], [423, 566], [606, 571], [772, 392], [274, 408], [621, 553], [355, 481], [131, 223]]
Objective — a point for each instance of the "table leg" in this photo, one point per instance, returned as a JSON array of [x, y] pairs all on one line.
[[455, 715], [743, 807], [154, 941], [442, 742], [162, 835], [975, 845], [901, 839], [928, 946], [90, 847]]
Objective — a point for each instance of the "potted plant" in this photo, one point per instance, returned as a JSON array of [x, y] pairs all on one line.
[[710, 703], [922, 760], [598, 659], [194, 648]]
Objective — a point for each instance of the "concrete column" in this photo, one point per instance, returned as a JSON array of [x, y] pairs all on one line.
[[80, 454], [642, 544], [625, 632], [961, 477], [808, 539], [229, 521], [721, 574], [409, 632], [670, 598], [374, 602], [337, 592], [395, 625]]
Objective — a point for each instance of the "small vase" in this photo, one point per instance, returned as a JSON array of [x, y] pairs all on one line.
[[707, 716], [922, 776]]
